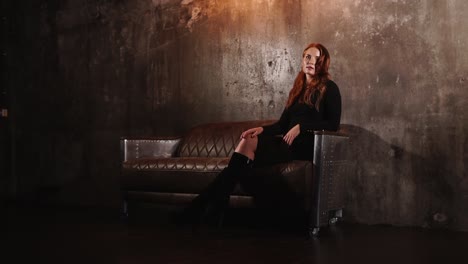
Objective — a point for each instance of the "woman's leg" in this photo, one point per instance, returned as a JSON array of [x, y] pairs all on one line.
[[218, 192], [247, 147]]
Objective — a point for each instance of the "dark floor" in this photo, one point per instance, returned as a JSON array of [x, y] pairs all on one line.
[[78, 235]]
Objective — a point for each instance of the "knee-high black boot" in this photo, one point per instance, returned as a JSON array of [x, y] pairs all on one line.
[[216, 195]]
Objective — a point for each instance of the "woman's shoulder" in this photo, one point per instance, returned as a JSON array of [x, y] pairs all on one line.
[[332, 87], [331, 84]]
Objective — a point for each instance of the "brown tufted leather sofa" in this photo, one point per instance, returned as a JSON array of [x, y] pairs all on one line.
[[172, 171]]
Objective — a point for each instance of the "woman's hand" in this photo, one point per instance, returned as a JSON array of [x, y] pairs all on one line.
[[292, 134], [253, 132]]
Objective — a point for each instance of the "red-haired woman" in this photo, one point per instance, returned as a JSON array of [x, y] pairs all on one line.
[[314, 103]]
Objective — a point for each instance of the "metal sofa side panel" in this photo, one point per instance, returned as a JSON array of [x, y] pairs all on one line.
[[331, 163], [148, 148]]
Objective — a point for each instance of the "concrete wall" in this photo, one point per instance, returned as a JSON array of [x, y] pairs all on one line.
[[96, 70]]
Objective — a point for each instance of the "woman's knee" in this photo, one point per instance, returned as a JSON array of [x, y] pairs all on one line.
[[247, 147]]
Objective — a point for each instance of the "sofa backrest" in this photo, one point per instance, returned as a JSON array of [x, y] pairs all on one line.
[[215, 139]]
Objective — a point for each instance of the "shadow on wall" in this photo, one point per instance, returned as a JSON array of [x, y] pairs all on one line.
[[388, 185]]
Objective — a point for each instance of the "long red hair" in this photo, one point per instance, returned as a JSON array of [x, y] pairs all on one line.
[[320, 77]]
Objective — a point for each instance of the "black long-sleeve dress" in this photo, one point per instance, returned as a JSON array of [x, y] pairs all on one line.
[[272, 149]]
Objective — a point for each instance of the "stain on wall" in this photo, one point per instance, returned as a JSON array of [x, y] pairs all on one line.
[[97, 70]]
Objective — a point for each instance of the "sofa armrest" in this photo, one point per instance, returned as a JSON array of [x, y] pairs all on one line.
[[148, 147], [331, 133], [331, 146], [331, 165]]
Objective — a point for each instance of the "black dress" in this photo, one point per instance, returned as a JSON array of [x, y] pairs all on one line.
[[271, 149]]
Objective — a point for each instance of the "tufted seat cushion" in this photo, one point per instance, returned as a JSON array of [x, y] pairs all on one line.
[[185, 174], [193, 164]]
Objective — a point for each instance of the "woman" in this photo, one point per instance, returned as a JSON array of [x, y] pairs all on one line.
[[314, 103]]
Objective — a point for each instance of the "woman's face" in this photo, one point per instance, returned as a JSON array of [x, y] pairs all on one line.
[[309, 60]]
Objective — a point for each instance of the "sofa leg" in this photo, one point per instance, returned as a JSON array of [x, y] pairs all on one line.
[[339, 213], [313, 223], [335, 216], [313, 232]]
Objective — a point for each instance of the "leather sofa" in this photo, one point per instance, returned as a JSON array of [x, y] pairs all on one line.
[[172, 171]]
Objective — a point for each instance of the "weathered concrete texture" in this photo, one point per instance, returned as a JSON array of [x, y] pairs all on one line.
[[411, 97], [157, 67]]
